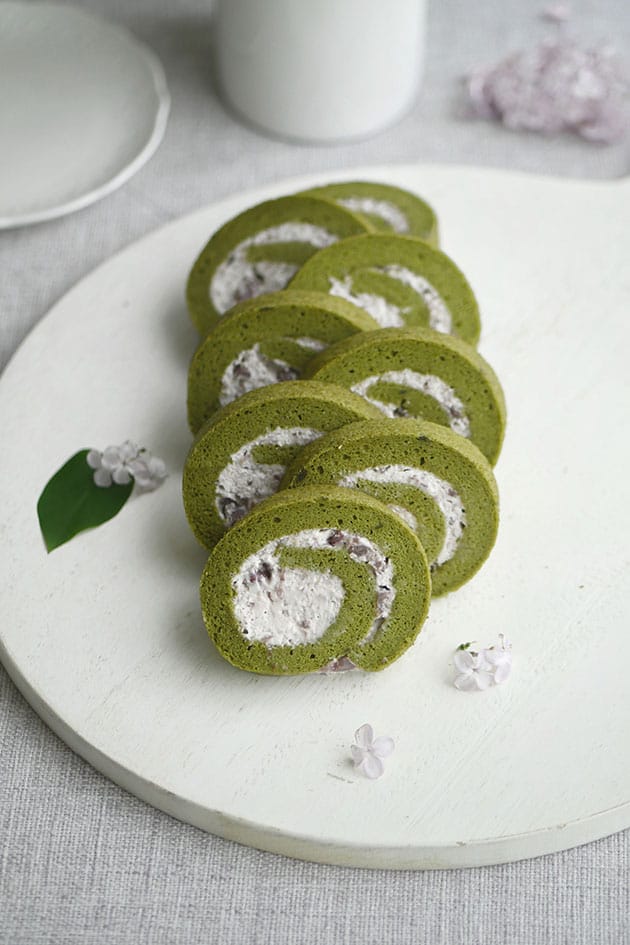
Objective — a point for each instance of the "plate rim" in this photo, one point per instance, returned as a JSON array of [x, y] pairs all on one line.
[[163, 105], [265, 837], [491, 851]]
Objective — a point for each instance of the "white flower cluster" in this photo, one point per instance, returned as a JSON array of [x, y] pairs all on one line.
[[121, 464], [481, 669], [368, 752]]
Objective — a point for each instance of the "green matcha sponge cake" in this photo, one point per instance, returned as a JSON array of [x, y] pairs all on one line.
[[264, 340], [240, 454], [399, 280], [415, 372], [260, 250], [390, 209], [316, 578], [438, 482]]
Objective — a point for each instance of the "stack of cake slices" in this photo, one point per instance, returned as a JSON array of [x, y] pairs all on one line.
[[345, 429]]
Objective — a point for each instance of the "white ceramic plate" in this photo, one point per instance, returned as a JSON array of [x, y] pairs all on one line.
[[83, 106], [105, 638]]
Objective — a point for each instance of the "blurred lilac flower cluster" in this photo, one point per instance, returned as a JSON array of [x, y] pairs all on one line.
[[557, 86]]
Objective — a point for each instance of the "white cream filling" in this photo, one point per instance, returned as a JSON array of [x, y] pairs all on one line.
[[408, 517], [244, 482], [447, 499], [387, 314], [281, 606], [311, 344], [251, 370], [236, 278], [387, 211], [427, 384], [439, 314]]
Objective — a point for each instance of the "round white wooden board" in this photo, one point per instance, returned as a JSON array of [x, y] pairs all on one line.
[[105, 638], [83, 106]]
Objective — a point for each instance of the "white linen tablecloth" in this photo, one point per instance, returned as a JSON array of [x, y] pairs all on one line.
[[83, 862]]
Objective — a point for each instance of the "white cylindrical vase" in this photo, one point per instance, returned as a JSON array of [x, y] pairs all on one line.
[[320, 70]]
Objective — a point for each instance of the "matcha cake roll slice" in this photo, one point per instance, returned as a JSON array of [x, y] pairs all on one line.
[[316, 578], [261, 250], [440, 484], [390, 209], [264, 340], [416, 372], [240, 455], [399, 280]]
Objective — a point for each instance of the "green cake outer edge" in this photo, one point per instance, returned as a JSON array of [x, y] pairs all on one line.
[[378, 249], [259, 411], [422, 218], [317, 507], [304, 209], [315, 314], [416, 438], [446, 353]]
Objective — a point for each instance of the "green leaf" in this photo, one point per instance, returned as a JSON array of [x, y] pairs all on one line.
[[72, 502]]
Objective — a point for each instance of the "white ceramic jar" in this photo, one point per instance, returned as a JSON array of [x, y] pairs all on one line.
[[320, 70]]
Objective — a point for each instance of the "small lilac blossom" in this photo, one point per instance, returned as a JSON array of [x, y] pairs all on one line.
[[368, 752], [112, 465], [473, 670], [122, 463], [500, 659], [491, 666]]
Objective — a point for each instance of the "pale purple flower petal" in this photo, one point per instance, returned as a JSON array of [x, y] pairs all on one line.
[[465, 682], [358, 754], [128, 451], [111, 458], [372, 767], [494, 656], [103, 478], [482, 660], [502, 672], [364, 736], [157, 466], [383, 746], [121, 475], [464, 661], [483, 680], [140, 472], [94, 458], [148, 471]]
